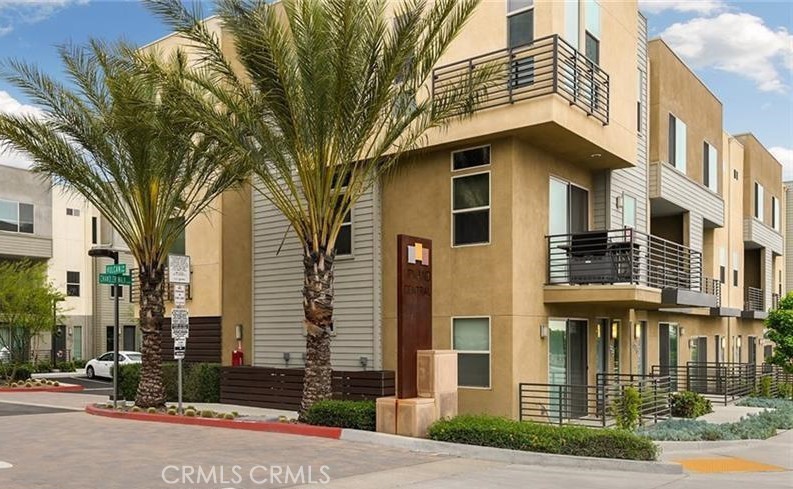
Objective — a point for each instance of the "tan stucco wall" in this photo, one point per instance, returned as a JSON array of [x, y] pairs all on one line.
[[675, 89], [760, 166], [236, 285]]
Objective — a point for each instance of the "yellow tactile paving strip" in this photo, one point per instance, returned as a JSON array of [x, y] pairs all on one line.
[[725, 464]]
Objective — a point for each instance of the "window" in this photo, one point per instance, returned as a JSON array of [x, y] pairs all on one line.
[[471, 209], [16, 217], [73, 284], [735, 174], [592, 40], [469, 158], [572, 21], [639, 103], [710, 167], [722, 265], [94, 230], [119, 288], [759, 197], [775, 213], [520, 22], [344, 240], [72, 212], [677, 143], [178, 246], [735, 264], [628, 211], [471, 340], [108, 357]]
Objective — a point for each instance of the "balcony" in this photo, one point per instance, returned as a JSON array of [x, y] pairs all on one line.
[[561, 102], [672, 191], [626, 267], [754, 303], [757, 234]]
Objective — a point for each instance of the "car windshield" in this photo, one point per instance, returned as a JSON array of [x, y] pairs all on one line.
[[135, 357]]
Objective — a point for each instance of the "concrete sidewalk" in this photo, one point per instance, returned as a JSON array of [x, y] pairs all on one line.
[[80, 372], [729, 413]]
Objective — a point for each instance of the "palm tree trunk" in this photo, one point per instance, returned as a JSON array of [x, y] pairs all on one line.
[[318, 311], [151, 391]]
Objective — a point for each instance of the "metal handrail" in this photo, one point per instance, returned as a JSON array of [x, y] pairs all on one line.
[[548, 65], [718, 381], [622, 256], [754, 299]]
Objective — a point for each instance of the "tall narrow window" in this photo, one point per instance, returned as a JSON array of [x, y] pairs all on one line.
[[759, 199], [94, 230], [722, 265], [572, 21], [471, 209], [677, 143], [775, 213], [344, 240], [710, 167], [471, 340], [73, 284], [178, 246], [639, 108], [26, 218], [520, 32], [592, 40], [735, 265], [628, 211]]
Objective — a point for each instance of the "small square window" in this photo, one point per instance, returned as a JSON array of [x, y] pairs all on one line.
[[73, 284]]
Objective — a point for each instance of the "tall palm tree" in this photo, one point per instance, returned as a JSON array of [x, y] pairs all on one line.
[[326, 97], [118, 136]]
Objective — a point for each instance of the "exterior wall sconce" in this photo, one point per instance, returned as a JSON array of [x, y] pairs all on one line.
[[738, 342], [600, 333], [615, 330], [637, 331], [287, 356], [363, 361], [543, 330], [723, 342], [682, 331], [618, 202], [238, 332]]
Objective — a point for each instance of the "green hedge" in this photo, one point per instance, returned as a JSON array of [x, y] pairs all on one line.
[[22, 371], [491, 431], [688, 404], [201, 381], [359, 415]]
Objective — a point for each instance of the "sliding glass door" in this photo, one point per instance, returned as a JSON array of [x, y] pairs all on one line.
[[567, 367]]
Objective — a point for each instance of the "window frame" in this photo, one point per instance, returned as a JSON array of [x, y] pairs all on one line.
[[512, 13], [18, 217], [775, 218], [472, 168], [673, 143], [72, 283], [759, 201], [625, 197], [488, 207], [477, 352], [712, 180]]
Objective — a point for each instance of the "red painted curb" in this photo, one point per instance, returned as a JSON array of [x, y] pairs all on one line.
[[234, 424], [50, 388]]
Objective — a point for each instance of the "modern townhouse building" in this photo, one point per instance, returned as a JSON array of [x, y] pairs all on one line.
[[591, 218]]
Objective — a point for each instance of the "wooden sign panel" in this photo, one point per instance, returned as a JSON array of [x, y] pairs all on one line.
[[414, 309]]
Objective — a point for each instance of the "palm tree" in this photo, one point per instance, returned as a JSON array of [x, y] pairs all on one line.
[[118, 136], [328, 96]]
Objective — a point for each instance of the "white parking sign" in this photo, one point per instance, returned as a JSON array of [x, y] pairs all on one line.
[[180, 323], [179, 269]]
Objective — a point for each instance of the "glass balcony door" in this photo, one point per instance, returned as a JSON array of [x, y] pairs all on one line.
[[567, 367]]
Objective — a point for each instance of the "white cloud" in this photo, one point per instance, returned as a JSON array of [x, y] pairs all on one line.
[[737, 43], [10, 105], [13, 12], [785, 156], [694, 6]]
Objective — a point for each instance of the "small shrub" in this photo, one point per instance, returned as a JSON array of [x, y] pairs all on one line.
[[189, 413], [763, 387], [202, 382], [206, 413], [128, 378], [22, 372], [784, 390], [228, 416], [359, 415], [79, 363], [235, 413], [56, 384], [491, 431], [626, 409], [191, 407], [66, 366], [764, 402], [688, 404], [135, 409], [171, 411], [151, 410]]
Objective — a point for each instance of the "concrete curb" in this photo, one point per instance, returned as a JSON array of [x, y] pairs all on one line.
[[236, 424], [37, 404], [509, 456], [80, 372], [50, 388]]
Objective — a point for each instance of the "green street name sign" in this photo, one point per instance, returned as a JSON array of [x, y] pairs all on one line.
[[119, 269], [106, 278]]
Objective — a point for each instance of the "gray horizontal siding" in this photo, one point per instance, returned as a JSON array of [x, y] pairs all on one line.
[[675, 187], [788, 235], [104, 305], [278, 282], [25, 245], [761, 234]]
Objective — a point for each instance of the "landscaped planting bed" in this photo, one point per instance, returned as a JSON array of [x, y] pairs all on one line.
[[491, 431]]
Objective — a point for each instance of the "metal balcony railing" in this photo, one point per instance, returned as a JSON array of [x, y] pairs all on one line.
[[754, 299], [134, 295], [712, 286], [548, 65], [624, 256], [593, 405], [774, 300], [719, 381]]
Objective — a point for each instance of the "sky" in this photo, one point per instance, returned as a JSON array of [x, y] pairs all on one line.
[[743, 51]]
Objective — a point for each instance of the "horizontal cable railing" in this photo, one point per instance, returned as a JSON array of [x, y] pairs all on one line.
[[622, 256], [754, 299], [548, 65], [593, 405]]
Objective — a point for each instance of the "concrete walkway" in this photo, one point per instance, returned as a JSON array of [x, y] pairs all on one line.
[[729, 413]]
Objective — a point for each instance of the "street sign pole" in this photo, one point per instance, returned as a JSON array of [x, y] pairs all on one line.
[[179, 276], [179, 410], [115, 343]]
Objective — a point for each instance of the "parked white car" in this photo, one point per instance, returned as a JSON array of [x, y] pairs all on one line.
[[102, 366]]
